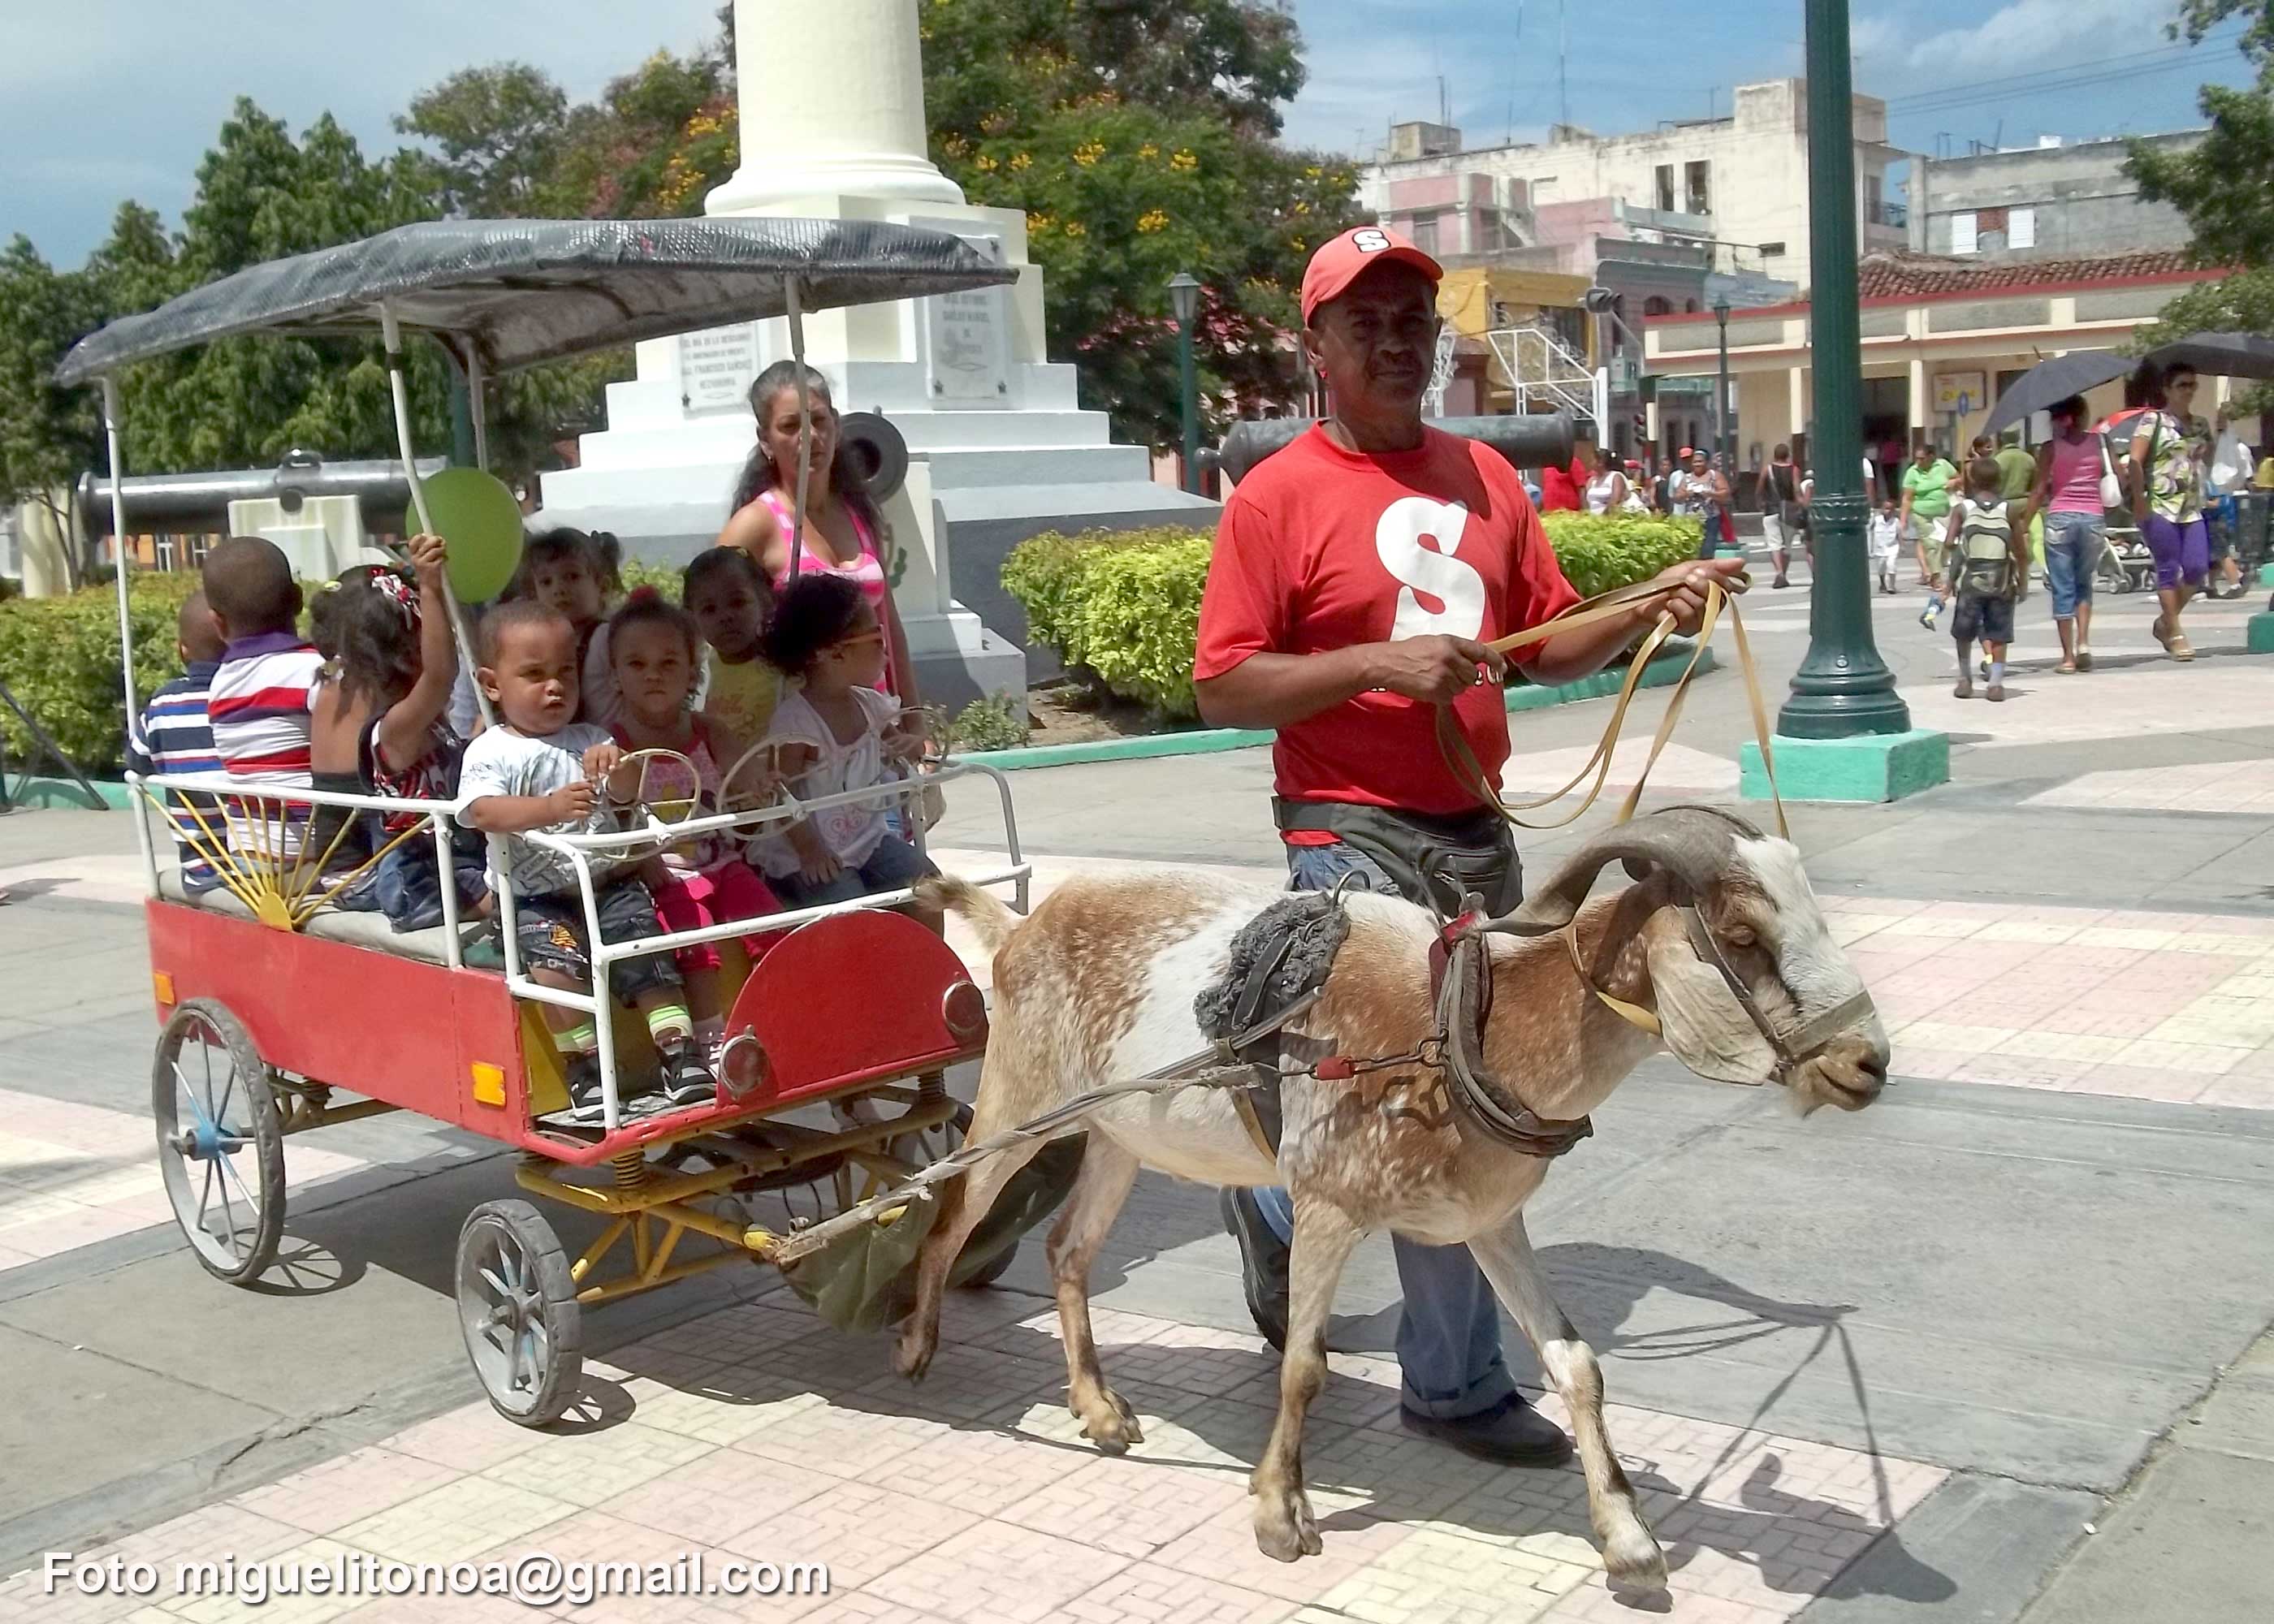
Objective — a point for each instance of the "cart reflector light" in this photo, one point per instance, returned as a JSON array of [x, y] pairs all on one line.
[[743, 1067], [964, 1010], [164, 985], [489, 1085]]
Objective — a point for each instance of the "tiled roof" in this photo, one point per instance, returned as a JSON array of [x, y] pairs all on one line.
[[1906, 276]]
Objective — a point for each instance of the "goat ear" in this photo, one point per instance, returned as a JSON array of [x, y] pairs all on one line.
[[1703, 1024]]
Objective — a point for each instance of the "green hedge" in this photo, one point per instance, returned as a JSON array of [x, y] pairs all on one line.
[[1124, 606], [59, 657]]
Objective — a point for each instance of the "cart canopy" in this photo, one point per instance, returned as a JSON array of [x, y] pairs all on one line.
[[525, 291]]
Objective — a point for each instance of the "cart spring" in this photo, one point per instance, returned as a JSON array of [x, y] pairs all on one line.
[[631, 1169]]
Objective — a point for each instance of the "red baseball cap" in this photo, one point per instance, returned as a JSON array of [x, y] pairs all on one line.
[[1342, 261]]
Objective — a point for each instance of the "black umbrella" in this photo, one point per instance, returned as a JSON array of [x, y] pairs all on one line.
[[2223, 355], [2050, 382]]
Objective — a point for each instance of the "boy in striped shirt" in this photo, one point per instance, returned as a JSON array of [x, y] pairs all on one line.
[[174, 736], [260, 698]]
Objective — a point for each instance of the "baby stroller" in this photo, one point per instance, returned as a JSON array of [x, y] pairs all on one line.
[[2126, 565]]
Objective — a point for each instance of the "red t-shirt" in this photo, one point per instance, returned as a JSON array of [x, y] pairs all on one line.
[[1560, 488], [1322, 548]]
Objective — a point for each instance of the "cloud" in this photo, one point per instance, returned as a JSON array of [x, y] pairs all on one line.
[[2018, 37]]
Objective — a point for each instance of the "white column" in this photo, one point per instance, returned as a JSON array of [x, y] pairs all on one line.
[[1918, 396], [830, 93], [1796, 404]]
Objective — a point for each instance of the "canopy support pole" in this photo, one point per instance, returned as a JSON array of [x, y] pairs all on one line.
[[125, 617], [804, 424], [391, 332], [477, 383]]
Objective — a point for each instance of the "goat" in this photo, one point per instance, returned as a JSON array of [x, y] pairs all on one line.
[[1099, 982]]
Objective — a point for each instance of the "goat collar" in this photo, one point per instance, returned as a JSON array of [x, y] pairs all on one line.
[[1461, 979]]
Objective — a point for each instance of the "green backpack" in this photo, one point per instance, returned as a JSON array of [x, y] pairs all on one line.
[[1985, 552]]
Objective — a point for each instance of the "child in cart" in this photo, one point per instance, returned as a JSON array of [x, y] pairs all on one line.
[[397, 664], [838, 732], [538, 769], [1986, 562], [577, 573], [704, 881], [732, 600]]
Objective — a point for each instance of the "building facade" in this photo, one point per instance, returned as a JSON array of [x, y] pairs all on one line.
[[1735, 186], [2053, 199], [1942, 336]]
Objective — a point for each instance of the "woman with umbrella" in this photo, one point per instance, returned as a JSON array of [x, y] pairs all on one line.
[[2168, 444]]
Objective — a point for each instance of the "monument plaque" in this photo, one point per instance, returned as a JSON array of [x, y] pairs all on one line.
[[968, 336], [715, 368]]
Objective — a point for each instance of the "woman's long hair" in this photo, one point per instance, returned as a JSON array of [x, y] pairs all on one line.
[[759, 475]]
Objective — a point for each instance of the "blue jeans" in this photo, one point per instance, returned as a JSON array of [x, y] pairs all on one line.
[[1448, 1326], [2072, 544]]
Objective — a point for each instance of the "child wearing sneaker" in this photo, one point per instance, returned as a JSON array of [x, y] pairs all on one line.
[[1986, 561], [703, 880], [538, 769], [1886, 543]]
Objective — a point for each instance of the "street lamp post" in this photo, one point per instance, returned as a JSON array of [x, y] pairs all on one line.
[[1842, 688], [1721, 441], [1185, 294]]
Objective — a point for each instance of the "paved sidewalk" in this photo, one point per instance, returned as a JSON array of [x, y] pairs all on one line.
[[1874, 1369]]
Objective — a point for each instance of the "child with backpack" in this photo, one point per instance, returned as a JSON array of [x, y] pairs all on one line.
[[1986, 561]]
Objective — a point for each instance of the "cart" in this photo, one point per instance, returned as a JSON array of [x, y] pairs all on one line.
[[282, 1013]]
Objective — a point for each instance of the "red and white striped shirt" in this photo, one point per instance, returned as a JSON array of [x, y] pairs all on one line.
[[259, 706]]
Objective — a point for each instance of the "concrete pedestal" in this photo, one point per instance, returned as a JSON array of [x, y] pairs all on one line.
[[1873, 767]]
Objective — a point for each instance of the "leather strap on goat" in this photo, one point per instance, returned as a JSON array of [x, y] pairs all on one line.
[[1603, 606]]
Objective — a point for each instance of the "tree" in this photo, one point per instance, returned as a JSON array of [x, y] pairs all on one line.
[[1139, 140], [499, 130], [2224, 186], [48, 434]]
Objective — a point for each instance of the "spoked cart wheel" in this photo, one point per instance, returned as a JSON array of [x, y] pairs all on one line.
[[221, 1143], [523, 1326]]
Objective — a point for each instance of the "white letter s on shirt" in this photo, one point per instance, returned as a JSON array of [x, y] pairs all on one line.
[[1454, 584]]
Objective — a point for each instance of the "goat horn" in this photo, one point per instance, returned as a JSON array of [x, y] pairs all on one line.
[[1693, 844]]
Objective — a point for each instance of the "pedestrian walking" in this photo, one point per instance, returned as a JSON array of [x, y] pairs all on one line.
[[2229, 478], [1985, 560], [1708, 495], [1784, 516], [2170, 447], [2071, 467], [1357, 575], [1926, 504], [1887, 542]]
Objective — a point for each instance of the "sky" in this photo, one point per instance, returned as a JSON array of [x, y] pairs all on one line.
[[106, 99]]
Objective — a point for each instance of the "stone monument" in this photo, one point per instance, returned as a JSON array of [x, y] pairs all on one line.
[[831, 96]]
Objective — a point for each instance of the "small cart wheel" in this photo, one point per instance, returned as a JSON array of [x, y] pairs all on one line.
[[220, 1143], [517, 1307]]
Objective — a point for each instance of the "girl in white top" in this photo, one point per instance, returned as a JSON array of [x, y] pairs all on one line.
[[837, 733], [1607, 491]]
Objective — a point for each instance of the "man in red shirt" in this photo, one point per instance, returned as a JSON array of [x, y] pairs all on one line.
[[1563, 489], [1357, 575]]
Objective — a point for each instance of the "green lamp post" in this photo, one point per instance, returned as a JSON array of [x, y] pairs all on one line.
[[1844, 689], [1185, 294], [1723, 442]]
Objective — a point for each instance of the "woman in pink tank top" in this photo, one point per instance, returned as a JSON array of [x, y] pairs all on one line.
[[2069, 466], [843, 531]]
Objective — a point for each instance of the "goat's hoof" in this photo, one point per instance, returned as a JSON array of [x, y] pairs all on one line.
[[1110, 1422], [1632, 1561], [1285, 1530], [912, 1354]]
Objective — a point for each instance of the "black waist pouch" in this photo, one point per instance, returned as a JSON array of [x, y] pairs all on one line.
[[1435, 862]]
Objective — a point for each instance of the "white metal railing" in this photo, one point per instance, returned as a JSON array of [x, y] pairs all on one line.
[[583, 850], [1543, 371]]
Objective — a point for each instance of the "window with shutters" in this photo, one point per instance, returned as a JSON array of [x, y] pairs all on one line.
[[2022, 227], [1963, 239], [1666, 188], [1697, 184]]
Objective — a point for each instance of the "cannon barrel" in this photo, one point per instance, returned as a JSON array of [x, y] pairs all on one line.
[[1530, 439], [200, 502]]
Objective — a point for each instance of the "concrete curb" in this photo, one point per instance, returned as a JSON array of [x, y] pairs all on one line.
[[1205, 741]]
